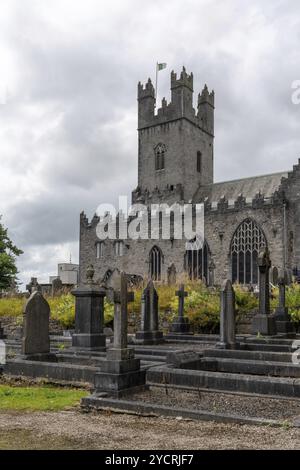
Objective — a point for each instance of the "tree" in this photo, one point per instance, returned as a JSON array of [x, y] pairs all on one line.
[[8, 255]]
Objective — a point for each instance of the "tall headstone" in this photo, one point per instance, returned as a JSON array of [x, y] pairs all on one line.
[[264, 322], [149, 333], [120, 371], [89, 315], [283, 322], [181, 325], [56, 287], [36, 340], [227, 318]]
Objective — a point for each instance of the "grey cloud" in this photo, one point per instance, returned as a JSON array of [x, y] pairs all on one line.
[[68, 130]]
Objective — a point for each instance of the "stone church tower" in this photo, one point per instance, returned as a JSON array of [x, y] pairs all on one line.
[[176, 164], [175, 145]]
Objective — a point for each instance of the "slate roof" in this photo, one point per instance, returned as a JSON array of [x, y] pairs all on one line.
[[248, 187]]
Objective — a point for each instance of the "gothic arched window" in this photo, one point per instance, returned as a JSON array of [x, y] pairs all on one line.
[[160, 151], [155, 259], [247, 242], [196, 260]]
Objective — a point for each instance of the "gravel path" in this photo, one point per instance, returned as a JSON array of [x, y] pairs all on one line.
[[77, 430], [242, 405]]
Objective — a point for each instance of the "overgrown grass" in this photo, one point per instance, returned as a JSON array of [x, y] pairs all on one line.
[[202, 305], [39, 398]]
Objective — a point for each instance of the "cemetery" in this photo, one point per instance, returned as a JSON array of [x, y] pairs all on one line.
[[248, 377]]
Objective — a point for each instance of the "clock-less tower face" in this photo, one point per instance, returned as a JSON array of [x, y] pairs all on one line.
[[175, 145]]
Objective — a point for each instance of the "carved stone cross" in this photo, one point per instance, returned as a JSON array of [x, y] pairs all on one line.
[[181, 294]]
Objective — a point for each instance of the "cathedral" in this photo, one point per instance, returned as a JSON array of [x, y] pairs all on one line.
[[176, 165]]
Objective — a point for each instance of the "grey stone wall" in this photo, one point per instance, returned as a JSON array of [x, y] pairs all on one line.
[[220, 227]]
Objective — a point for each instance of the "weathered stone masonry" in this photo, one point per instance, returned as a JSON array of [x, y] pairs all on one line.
[[175, 164]]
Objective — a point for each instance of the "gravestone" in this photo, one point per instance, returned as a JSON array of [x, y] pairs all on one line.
[[227, 319], [56, 287], [172, 275], [181, 324], [182, 359], [264, 323], [36, 341], [89, 315], [120, 371], [149, 333], [283, 322], [33, 286]]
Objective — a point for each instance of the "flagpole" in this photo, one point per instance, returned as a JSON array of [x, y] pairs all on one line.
[[156, 84]]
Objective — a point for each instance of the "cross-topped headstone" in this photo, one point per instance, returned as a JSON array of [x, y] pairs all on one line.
[[227, 319], [149, 333], [121, 298], [264, 264], [121, 370], [263, 322], [181, 324], [181, 294], [33, 286], [283, 322]]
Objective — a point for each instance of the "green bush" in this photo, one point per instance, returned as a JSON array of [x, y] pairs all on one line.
[[63, 310]]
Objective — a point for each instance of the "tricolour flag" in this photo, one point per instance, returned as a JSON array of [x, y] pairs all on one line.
[[161, 66]]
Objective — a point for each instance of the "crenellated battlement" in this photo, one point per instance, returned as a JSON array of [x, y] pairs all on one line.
[[180, 106], [259, 201], [185, 80], [147, 91], [206, 97]]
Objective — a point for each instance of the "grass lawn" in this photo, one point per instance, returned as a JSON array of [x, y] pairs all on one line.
[[39, 398]]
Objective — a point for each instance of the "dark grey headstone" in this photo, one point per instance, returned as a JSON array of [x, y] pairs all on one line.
[[36, 325], [264, 323], [181, 324], [33, 286], [182, 359], [57, 286], [89, 315], [283, 322], [227, 320], [149, 333], [120, 371]]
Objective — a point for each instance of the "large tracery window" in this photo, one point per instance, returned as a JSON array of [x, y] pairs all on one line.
[[196, 260], [247, 242], [160, 151], [155, 258]]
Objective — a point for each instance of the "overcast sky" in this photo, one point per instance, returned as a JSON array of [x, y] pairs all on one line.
[[68, 112]]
